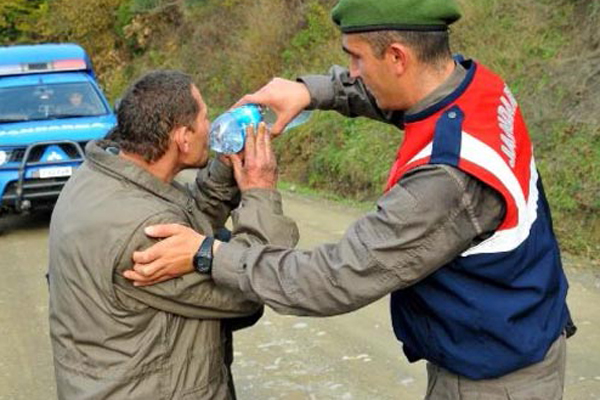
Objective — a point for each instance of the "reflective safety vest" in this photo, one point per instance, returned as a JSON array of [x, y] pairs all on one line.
[[500, 305]]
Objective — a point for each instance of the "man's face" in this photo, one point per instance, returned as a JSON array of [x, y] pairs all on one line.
[[76, 99], [377, 74], [198, 152]]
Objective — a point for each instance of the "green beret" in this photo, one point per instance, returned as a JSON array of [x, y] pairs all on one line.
[[407, 15]]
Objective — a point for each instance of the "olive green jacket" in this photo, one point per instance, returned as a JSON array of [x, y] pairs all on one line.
[[430, 217], [112, 340]]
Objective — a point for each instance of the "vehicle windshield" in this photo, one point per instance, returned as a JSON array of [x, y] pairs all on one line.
[[44, 101]]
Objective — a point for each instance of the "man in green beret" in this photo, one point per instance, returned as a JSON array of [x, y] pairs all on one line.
[[462, 238]]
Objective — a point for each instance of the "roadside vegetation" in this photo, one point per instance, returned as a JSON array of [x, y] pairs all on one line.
[[548, 51]]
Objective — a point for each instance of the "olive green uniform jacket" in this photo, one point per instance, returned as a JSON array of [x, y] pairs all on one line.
[[431, 216], [113, 340]]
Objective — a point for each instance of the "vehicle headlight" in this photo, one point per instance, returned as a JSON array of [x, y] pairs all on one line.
[[4, 156]]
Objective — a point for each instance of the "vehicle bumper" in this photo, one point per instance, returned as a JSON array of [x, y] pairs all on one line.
[[27, 185]]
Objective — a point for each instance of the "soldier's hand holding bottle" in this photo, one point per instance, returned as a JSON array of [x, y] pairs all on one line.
[[287, 99]]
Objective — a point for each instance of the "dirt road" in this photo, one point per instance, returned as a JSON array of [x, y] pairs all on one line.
[[353, 356]]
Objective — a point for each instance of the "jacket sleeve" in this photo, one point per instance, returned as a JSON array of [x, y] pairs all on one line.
[[216, 193], [430, 217], [339, 92], [259, 220], [192, 295]]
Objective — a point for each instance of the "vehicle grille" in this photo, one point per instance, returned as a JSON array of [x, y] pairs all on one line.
[[17, 155], [36, 154]]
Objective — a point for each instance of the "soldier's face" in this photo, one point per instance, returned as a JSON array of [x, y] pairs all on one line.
[[378, 74]]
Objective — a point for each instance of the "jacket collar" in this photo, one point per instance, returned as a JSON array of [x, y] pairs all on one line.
[[447, 93], [123, 169]]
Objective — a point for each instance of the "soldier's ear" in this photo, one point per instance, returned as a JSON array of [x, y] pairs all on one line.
[[399, 55]]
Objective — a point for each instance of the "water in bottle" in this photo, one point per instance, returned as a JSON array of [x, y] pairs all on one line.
[[228, 131]]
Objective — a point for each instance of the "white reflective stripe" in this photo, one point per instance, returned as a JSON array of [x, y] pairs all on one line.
[[426, 152], [484, 156]]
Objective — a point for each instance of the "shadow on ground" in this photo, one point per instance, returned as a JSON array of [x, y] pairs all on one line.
[[23, 222]]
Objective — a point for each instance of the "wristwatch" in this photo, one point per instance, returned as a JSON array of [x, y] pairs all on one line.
[[204, 256]]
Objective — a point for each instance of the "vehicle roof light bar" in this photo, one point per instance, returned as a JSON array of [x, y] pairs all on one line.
[[41, 67]]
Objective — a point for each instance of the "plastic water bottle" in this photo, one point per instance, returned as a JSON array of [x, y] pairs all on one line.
[[228, 132]]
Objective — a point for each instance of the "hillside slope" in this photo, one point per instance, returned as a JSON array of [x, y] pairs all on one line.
[[548, 51]]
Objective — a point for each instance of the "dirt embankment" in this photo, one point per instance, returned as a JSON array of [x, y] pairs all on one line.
[[575, 86]]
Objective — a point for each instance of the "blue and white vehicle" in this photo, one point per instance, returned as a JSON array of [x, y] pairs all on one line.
[[50, 107]]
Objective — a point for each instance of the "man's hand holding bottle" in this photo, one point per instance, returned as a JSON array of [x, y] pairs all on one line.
[[254, 168]]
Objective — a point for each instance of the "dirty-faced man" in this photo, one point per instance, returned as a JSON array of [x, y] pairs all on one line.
[[111, 339]]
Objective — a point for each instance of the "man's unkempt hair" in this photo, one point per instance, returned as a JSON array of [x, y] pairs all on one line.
[[431, 48], [151, 108]]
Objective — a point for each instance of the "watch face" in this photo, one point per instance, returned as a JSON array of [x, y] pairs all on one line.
[[202, 264], [203, 258]]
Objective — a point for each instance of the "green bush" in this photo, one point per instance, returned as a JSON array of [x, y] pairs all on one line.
[[18, 20], [569, 160]]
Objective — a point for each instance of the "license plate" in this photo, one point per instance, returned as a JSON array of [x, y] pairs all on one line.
[[56, 172]]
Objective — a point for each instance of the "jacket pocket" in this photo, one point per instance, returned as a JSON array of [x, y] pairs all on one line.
[[201, 374], [215, 388]]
